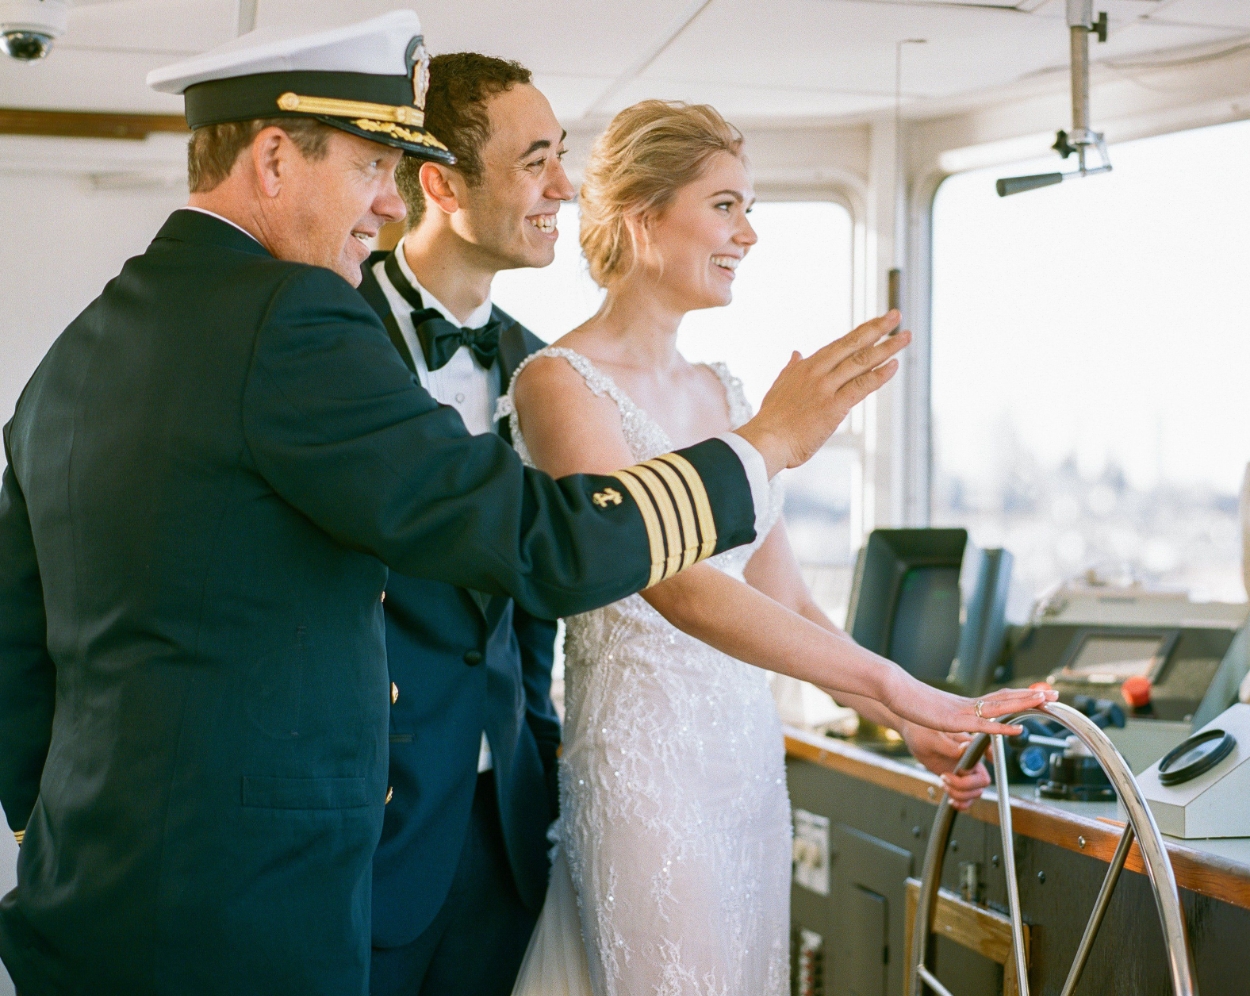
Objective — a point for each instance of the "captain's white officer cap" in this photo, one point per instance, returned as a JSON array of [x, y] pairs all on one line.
[[368, 79]]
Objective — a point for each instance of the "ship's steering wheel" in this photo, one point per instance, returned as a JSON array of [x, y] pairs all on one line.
[[1141, 826]]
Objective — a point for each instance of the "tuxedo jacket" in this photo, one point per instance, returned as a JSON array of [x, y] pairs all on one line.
[[208, 476], [461, 663]]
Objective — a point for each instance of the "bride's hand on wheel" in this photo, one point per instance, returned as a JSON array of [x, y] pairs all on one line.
[[940, 753], [917, 702]]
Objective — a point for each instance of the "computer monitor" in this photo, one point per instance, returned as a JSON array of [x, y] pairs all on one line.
[[905, 600], [984, 633]]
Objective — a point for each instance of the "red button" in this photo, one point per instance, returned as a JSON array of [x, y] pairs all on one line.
[[1136, 691]]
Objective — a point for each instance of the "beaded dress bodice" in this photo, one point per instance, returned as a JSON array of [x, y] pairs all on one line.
[[675, 819]]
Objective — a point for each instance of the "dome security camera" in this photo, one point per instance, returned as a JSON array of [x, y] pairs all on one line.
[[27, 27]]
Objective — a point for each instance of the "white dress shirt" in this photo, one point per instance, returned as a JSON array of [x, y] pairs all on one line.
[[463, 383]]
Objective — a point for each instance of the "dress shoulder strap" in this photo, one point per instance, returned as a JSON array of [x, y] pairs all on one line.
[[740, 410], [598, 382]]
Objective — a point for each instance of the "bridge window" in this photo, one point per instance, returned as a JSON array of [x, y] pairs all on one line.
[[1090, 359]]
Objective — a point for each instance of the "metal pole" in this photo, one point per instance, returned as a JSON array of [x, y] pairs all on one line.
[[1003, 788], [1079, 34], [1100, 910], [1080, 18]]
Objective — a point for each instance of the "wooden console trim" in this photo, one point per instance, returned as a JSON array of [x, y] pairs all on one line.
[[1198, 871], [983, 930]]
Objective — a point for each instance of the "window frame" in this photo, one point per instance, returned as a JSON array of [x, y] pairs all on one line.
[[860, 435]]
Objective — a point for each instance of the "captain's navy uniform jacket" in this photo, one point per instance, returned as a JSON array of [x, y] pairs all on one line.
[[460, 664], [207, 477]]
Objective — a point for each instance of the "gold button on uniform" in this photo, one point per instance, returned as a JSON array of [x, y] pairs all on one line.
[[383, 598], [389, 793], [394, 693]]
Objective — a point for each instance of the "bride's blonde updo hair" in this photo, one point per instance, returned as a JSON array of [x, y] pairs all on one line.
[[649, 152]]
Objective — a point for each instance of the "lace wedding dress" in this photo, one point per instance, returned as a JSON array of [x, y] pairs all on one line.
[[671, 872]]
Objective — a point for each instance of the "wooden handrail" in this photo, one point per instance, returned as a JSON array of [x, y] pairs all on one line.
[[87, 124]]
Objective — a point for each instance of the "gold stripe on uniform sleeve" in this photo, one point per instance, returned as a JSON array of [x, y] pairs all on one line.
[[655, 537], [707, 523], [668, 516], [20, 835], [685, 510]]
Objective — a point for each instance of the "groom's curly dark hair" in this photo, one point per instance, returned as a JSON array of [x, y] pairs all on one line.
[[461, 84]]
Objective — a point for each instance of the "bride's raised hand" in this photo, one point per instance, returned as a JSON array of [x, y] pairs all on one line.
[[810, 397], [938, 710]]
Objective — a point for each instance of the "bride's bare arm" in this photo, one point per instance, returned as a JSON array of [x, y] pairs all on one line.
[[569, 430], [774, 570]]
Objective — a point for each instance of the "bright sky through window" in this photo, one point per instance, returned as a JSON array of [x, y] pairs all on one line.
[[1091, 356]]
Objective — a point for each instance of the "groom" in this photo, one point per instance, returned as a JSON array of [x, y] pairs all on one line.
[[461, 870], [462, 865]]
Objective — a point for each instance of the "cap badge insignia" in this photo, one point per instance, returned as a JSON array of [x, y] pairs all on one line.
[[418, 61]]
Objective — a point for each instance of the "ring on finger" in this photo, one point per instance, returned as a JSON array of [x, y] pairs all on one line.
[[979, 703]]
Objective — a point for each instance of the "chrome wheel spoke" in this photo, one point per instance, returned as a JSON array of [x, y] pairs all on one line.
[[1100, 910], [1003, 787], [932, 982]]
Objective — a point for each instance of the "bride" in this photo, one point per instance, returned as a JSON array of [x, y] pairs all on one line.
[[672, 860]]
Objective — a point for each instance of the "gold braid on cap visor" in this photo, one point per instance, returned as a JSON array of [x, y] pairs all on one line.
[[384, 118]]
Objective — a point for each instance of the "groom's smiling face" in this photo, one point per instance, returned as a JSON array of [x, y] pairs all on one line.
[[510, 215]]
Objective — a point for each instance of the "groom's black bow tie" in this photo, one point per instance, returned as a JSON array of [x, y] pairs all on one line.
[[440, 338]]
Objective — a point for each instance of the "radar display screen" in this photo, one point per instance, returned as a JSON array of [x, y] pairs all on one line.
[[1108, 659]]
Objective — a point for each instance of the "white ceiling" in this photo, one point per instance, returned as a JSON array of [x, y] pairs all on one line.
[[811, 59]]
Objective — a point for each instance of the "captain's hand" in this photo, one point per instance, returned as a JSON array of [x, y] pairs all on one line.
[[810, 397], [917, 702], [940, 753]]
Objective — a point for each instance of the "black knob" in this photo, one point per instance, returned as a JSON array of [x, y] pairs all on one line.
[[1099, 27], [473, 657]]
